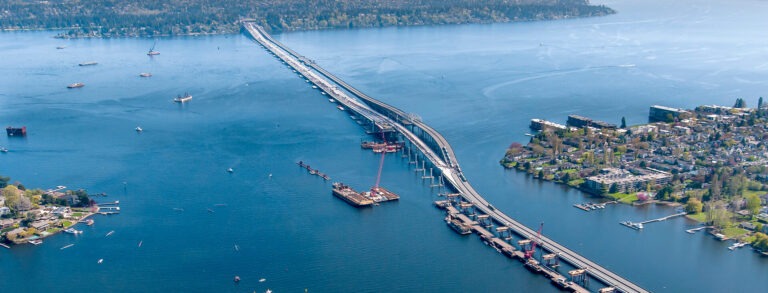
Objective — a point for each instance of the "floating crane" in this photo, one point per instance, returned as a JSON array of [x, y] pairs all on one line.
[[529, 253]]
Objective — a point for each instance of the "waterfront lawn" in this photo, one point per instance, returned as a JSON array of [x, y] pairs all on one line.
[[52, 230], [77, 215], [575, 183], [66, 223], [623, 197], [701, 217], [734, 232]]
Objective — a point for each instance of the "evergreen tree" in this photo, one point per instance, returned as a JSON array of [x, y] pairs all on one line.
[[623, 122]]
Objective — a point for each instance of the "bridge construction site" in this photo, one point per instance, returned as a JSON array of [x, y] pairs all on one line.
[[466, 210]]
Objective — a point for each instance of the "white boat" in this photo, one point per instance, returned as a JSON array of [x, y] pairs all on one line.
[[182, 99], [262, 280], [36, 241], [145, 74], [66, 246], [314, 86], [340, 107], [322, 93], [110, 233], [230, 170], [4, 150], [138, 129], [73, 231], [101, 260], [332, 100], [140, 242]]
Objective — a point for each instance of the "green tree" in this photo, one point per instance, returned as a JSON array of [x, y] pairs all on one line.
[[4, 181], [760, 103], [623, 122], [760, 242], [740, 103], [753, 203], [694, 206]]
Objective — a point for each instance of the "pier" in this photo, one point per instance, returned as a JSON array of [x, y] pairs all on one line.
[[389, 120]]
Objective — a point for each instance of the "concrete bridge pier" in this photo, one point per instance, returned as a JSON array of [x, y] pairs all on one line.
[[579, 276], [551, 260]]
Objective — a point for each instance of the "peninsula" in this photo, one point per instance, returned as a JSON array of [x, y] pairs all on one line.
[[150, 18], [711, 159], [29, 215]]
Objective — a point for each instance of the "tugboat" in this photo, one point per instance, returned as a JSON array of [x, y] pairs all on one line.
[[76, 85], [182, 99]]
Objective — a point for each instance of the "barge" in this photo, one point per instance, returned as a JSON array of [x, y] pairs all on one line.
[[351, 196], [16, 131]]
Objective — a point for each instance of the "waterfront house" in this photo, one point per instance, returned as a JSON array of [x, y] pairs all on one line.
[[4, 211], [40, 225], [5, 223]]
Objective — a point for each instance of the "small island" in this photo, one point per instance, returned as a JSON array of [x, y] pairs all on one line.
[[710, 160], [29, 215]]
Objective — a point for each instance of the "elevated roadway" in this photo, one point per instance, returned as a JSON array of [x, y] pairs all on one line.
[[443, 158]]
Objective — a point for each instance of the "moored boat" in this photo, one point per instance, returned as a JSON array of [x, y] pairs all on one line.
[[36, 241]]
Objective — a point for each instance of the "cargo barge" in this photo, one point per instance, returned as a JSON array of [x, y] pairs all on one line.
[[16, 131], [351, 196]]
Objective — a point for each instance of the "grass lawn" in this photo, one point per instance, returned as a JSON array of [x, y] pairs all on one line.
[[623, 197], [701, 217], [77, 215], [52, 230], [575, 183], [66, 223], [734, 232]]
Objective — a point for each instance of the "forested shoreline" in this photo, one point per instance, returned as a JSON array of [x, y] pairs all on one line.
[[151, 18]]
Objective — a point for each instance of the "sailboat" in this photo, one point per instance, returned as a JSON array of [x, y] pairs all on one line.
[[152, 51]]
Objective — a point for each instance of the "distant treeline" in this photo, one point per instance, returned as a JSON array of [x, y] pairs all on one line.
[[147, 18]]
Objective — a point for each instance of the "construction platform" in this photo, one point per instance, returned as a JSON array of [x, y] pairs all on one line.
[[351, 196]]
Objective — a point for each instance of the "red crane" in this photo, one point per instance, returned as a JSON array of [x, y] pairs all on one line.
[[375, 188], [529, 253]]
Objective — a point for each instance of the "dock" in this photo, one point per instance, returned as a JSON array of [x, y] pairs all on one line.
[[313, 171], [641, 225]]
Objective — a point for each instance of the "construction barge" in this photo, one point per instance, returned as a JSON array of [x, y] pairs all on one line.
[[16, 131], [351, 196], [380, 194]]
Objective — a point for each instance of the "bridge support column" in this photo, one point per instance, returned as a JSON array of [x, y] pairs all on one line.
[[579, 276]]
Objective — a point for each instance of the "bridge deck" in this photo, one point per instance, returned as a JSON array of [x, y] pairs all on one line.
[[445, 161]]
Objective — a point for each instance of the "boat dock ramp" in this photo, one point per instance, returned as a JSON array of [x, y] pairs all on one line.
[[640, 225], [588, 206]]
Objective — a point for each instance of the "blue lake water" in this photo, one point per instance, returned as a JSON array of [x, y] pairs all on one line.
[[477, 84]]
